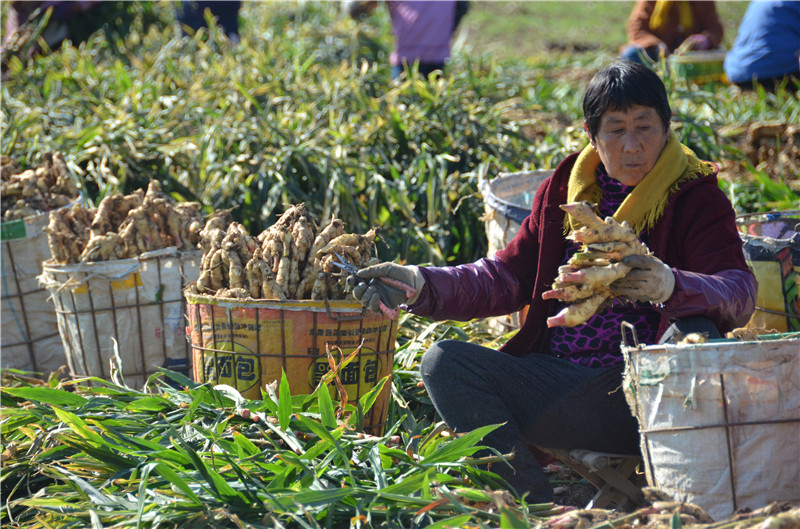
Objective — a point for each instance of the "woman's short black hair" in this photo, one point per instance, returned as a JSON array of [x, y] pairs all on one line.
[[619, 87]]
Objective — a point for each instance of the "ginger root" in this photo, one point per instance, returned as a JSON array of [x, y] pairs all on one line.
[[291, 259], [577, 313], [123, 227], [595, 229], [584, 282], [35, 191]]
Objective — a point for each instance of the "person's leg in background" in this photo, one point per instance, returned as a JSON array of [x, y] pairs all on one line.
[[192, 14], [640, 55], [423, 69], [462, 8]]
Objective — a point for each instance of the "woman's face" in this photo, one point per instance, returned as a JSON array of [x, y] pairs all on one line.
[[629, 142]]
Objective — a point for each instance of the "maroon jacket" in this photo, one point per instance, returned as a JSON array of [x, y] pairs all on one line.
[[696, 236]]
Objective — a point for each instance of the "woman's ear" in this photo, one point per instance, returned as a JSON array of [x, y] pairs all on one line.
[[586, 128]]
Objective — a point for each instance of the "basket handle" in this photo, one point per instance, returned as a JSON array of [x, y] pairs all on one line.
[[632, 329]]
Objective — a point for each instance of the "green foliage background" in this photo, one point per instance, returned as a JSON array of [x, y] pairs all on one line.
[[305, 110]]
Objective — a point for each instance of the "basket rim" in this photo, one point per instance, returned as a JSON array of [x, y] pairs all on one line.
[[170, 251], [781, 214], [317, 305], [779, 338], [491, 199], [690, 57]]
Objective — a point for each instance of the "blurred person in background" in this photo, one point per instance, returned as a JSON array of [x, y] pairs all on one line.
[[657, 29], [192, 14], [422, 31], [766, 51], [29, 24], [23, 17]]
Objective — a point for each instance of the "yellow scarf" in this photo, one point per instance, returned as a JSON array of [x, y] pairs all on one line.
[[645, 204], [661, 14]]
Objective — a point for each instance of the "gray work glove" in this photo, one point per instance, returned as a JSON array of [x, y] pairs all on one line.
[[648, 280], [390, 283]]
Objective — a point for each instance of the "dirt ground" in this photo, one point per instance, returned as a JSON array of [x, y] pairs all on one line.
[[570, 488]]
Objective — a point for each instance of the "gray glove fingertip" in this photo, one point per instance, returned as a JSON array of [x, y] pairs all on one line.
[[618, 289], [624, 291], [635, 276], [369, 297], [374, 302], [635, 261], [359, 290]]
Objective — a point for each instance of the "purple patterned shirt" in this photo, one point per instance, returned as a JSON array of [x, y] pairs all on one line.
[[597, 342]]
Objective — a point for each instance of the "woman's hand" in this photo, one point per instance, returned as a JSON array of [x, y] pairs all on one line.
[[648, 280], [389, 284], [696, 42]]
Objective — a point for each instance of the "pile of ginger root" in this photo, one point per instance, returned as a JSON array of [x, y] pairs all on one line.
[[35, 191], [584, 281], [123, 227], [292, 259]]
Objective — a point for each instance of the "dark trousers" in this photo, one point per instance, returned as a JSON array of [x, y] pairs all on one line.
[[424, 69], [539, 399], [192, 13]]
